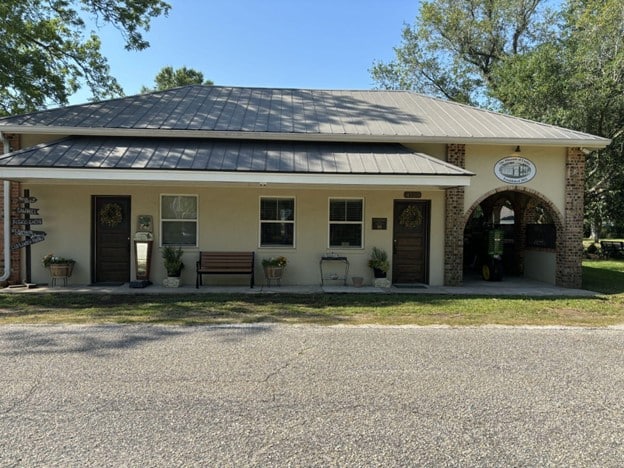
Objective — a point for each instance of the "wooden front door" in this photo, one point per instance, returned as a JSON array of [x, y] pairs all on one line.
[[410, 253], [111, 239]]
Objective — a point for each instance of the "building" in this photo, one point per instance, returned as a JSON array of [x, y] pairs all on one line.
[[293, 172]]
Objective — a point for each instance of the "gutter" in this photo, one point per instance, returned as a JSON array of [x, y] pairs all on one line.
[[7, 218]]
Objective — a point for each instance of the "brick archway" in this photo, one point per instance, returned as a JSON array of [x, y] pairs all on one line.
[[525, 201], [556, 214]]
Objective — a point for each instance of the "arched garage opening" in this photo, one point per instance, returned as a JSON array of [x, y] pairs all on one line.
[[530, 226]]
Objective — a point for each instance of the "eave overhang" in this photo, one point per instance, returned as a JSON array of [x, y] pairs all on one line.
[[591, 143], [46, 174]]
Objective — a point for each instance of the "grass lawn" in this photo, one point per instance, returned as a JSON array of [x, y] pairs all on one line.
[[330, 309]]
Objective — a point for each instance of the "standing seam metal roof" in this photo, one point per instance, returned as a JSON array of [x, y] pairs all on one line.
[[376, 113], [229, 155]]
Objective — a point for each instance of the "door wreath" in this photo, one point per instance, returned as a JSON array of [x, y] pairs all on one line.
[[111, 215], [411, 217]]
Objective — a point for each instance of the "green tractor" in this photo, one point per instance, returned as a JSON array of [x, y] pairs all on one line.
[[492, 256]]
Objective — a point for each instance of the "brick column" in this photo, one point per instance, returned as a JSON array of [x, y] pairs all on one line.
[[570, 242], [454, 222], [16, 257]]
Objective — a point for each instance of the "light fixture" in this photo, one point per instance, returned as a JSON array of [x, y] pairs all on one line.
[[517, 150]]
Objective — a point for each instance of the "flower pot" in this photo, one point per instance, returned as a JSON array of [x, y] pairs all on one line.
[[172, 282], [62, 271], [379, 273], [273, 273], [358, 281]]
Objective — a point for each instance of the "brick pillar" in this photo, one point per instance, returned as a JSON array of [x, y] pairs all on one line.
[[16, 257], [570, 242], [454, 222]]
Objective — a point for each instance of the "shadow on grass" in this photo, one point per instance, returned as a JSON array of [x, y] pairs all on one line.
[[604, 277]]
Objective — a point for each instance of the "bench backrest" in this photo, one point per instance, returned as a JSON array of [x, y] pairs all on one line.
[[226, 260]]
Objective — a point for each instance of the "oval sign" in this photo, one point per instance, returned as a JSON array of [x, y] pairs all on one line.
[[515, 170]]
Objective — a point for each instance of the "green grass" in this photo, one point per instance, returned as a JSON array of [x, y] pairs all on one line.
[[310, 309], [605, 276]]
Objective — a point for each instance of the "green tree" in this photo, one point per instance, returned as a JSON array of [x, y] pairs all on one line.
[[46, 53], [168, 78], [454, 46]]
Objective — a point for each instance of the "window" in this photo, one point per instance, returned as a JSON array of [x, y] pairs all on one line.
[[178, 220], [345, 222], [277, 222]]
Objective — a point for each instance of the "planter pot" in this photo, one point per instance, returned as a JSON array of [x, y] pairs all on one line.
[[172, 282], [273, 274], [379, 273], [61, 270], [358, 281]]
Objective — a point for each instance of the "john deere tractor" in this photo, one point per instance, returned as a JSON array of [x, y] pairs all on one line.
[[491, 258]]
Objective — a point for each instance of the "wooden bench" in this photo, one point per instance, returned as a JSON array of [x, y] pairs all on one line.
[[225, 263], [612, 249]]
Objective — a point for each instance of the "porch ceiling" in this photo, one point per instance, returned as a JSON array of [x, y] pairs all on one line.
[[229, 161]]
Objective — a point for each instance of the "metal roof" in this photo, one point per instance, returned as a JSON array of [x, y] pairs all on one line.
[[229, 155], [261, 113]]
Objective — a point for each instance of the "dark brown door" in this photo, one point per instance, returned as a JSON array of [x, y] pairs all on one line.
[[410, 254], [111, 239]]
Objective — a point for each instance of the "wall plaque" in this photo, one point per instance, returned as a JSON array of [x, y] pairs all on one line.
[[515, 170], [412, 194], [380, 224]]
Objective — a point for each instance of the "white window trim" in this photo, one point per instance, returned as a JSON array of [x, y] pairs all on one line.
[[330, 222], [160, 224], [260, 221]]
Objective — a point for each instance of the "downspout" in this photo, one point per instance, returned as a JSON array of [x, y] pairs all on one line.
[[7, 218]]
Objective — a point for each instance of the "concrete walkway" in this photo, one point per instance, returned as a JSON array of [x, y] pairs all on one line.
[[514, 286]]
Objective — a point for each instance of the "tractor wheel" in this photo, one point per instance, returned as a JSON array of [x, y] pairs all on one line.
[[486, 272], [492, 270]]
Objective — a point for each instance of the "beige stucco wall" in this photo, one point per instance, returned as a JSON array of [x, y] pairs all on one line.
[[228, 220], [540, 266], [548, 181]]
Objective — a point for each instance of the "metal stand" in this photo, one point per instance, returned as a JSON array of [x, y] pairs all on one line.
[[344, 260]]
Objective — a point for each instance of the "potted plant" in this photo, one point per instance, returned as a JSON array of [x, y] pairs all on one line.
[[379, 262], [60, 267], [274, 268], [172, 258]]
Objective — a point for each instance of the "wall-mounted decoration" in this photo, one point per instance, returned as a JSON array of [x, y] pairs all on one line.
[[380, 224], [110, 215], [144, 223], [411, 217], [515, 170]]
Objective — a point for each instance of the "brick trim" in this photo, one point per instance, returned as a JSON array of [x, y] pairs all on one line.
[[570, 256], [453, 225]]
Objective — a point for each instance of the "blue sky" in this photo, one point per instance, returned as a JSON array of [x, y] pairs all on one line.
[[269, 43]]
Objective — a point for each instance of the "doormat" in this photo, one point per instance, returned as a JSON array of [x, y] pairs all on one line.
[[410, 286], [107, 284]]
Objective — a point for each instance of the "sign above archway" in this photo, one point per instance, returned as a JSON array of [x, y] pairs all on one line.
[[515, 170]]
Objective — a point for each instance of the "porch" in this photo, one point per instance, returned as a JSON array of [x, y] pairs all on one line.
[[514, 286]]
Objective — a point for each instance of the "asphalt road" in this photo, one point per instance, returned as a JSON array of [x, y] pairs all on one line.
[[310, 396]]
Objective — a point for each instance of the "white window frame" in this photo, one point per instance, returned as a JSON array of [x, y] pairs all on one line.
[[293, 222], [330, 222], [163, 220]]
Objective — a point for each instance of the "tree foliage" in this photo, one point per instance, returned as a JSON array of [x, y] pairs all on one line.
[[454, 46], [47, 54], [168, 78]]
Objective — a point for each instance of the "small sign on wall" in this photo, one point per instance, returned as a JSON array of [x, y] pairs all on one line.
[[380, 224], [515, 170]]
